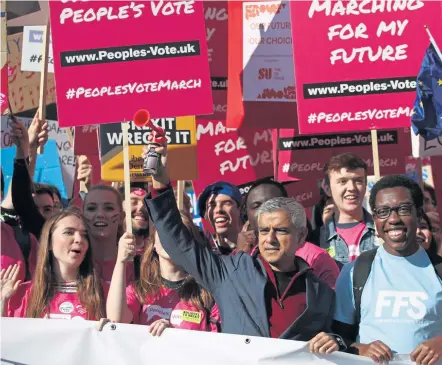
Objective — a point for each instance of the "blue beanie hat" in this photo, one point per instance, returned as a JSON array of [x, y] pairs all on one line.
[[220, 187]]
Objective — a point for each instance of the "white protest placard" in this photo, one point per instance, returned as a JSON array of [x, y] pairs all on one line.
[[32, 52], [65, 151], [267, 51], [423, 148]]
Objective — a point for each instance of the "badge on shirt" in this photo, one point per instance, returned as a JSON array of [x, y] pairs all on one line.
[[178, 316], [66, 307], [194, 317], [331, 251]]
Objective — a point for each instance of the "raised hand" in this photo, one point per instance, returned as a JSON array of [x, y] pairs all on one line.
[[9, 282], [126, 248], [162, 175], [38, 132]]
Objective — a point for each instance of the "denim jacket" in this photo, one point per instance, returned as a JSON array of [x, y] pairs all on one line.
[[337, 248]]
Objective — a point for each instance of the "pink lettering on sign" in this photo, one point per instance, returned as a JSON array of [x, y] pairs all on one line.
[[360, 73], [108, 79], [4, 89], [303, 157], [235, 155], [306, 192]]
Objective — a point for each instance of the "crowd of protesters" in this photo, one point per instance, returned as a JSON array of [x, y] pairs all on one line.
[[356, 280]]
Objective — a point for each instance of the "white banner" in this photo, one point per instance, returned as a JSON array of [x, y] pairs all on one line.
[[423, 148], [32, 52], [54, 342]]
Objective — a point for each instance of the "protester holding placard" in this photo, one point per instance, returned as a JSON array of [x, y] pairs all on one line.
[[165, 295], [140, 217], [351, 230], [389, 301], [66, 285], [140, 220], [21, 221], [33, 208], [104, 215], [272, 294]]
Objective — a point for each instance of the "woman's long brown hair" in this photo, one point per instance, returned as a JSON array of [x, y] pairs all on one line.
[[150, 280], [89, 288]]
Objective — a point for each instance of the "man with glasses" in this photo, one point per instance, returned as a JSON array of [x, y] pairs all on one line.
[[389, 301]]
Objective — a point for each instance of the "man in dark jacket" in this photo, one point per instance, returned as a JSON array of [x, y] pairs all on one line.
[[273, 294]]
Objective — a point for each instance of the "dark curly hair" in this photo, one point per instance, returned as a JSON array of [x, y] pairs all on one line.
[[393, 181], [280, 186]]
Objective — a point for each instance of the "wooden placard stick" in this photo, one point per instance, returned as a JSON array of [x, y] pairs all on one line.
[[44, 78], [420, 179], [180, 194], [125, 130], [276, 157], [375, 148]]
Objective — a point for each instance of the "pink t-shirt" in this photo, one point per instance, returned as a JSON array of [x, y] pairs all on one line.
[[61, 306], [106, 269], [324, 267], [11, 253], [167, 305], [352, 237]]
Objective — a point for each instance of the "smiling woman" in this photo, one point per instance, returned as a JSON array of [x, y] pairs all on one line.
[[103, 212], [65, 284]]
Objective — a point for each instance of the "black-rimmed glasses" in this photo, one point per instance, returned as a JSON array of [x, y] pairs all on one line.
[[384, 212]]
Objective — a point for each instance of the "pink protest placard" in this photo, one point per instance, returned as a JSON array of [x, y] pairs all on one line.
[[304, 157], [86, 140], [360, 71], [216, 34], [238, 156], [112, 58], [306, 192]]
